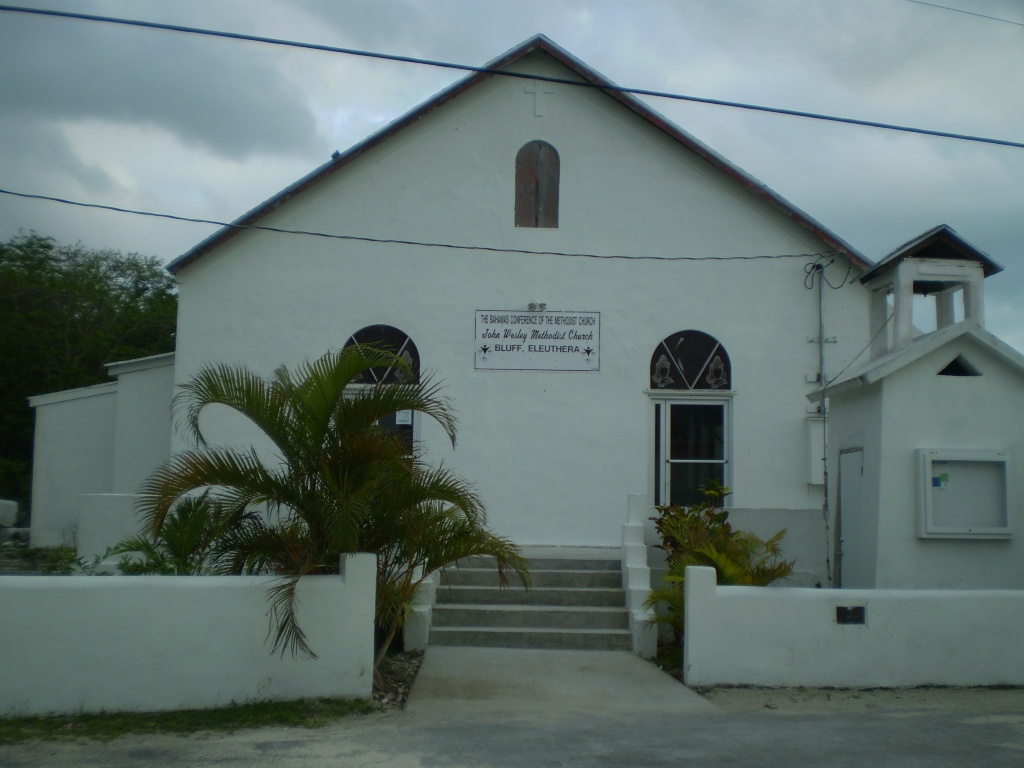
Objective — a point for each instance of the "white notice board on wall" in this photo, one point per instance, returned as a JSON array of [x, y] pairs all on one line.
[[964, 494]]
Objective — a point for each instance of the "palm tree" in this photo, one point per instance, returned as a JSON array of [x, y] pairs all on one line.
[[423, 522], [342, 483]]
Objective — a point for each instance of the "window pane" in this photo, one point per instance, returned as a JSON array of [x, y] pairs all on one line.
[[697, 432], [400, 425], [686, 480]]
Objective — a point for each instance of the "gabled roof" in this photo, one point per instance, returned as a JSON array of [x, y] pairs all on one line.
[[586, 75], [941, 242], [875, 370]]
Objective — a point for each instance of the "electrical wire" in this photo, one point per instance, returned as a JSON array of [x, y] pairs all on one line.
[[968, 13], [392, 241], [604, 86], [866, 348], [818, 268]]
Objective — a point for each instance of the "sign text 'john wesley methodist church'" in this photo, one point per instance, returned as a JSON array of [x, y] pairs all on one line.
[[510, 340]]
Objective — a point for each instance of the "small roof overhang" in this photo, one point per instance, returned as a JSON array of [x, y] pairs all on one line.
[[875, 370], [115, 369], [941, 242], [95, 390]]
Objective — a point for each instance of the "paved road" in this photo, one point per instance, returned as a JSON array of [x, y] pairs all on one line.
[[503, 708]]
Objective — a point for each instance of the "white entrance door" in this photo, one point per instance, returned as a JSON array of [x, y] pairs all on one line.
[[690, 449], [850, 533]]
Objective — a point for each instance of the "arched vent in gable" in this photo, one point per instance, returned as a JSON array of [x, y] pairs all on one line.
[[538, 171], [960, 366]]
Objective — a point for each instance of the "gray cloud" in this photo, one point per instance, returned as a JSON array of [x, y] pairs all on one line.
[[226, 96], [197, 126]]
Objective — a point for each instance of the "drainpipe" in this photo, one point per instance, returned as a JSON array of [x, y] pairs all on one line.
[[824, 414]]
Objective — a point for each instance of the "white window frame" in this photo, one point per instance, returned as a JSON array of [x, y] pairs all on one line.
[[666, 398], [928, 527]]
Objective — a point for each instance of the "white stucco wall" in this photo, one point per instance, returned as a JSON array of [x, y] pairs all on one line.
[[553, 454], [790, 637], [74, 454], [914, 408], [966, 412], [104, 519], [145, 643], [96, 440], [142, 432]]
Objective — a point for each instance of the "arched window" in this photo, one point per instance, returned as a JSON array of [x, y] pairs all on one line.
[[690, 379], [393, 340], [690, 360], [537, 177]]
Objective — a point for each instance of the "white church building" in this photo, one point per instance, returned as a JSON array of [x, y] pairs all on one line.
[[617, 313]]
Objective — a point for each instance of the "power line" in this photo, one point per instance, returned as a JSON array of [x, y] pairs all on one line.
[[391, 241], [856, 357], [506, 73], [969, 13]]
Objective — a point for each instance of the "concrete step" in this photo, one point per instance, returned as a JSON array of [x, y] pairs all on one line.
[[568, 639], [575, 602], [519, 616], [488, 577], [549, 563], [553, 596], [11, 562]]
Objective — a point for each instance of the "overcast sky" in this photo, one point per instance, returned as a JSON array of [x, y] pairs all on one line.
[[209, 128]]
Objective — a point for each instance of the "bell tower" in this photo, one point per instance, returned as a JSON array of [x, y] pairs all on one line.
[[940, 264]]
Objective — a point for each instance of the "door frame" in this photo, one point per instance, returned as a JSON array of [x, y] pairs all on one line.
[[659, 425]]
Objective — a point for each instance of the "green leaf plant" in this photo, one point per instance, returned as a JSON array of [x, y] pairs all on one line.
[[339, 484], [701, 535]]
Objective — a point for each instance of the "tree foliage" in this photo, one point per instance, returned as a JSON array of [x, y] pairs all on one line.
[[339, 483], [65, 312]]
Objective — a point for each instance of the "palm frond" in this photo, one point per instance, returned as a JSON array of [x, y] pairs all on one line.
[[239, 389], [342, 484], [283, 620], [200, 470]]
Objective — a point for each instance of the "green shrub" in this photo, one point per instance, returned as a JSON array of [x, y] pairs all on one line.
[[701, 535], [185, 544]]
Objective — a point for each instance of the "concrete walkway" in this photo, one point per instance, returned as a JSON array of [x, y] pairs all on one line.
[[498, 708], [520, 684]]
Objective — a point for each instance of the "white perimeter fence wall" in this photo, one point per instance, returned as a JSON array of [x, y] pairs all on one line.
[[791, 637], [72, 644]]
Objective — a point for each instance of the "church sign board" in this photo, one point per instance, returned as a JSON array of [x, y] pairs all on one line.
[[512, 340]]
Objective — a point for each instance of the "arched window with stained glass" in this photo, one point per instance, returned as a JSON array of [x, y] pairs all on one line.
[[392, 339], [690, 360]]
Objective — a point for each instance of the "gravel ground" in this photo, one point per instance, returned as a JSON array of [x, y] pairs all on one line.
[[397, 672], [980, 702]]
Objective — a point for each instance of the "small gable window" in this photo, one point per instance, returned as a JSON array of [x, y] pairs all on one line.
[[960, 366], [537, 178], [690, 360]]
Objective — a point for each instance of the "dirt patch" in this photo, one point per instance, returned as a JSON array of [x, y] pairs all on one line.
[[397, 673]]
